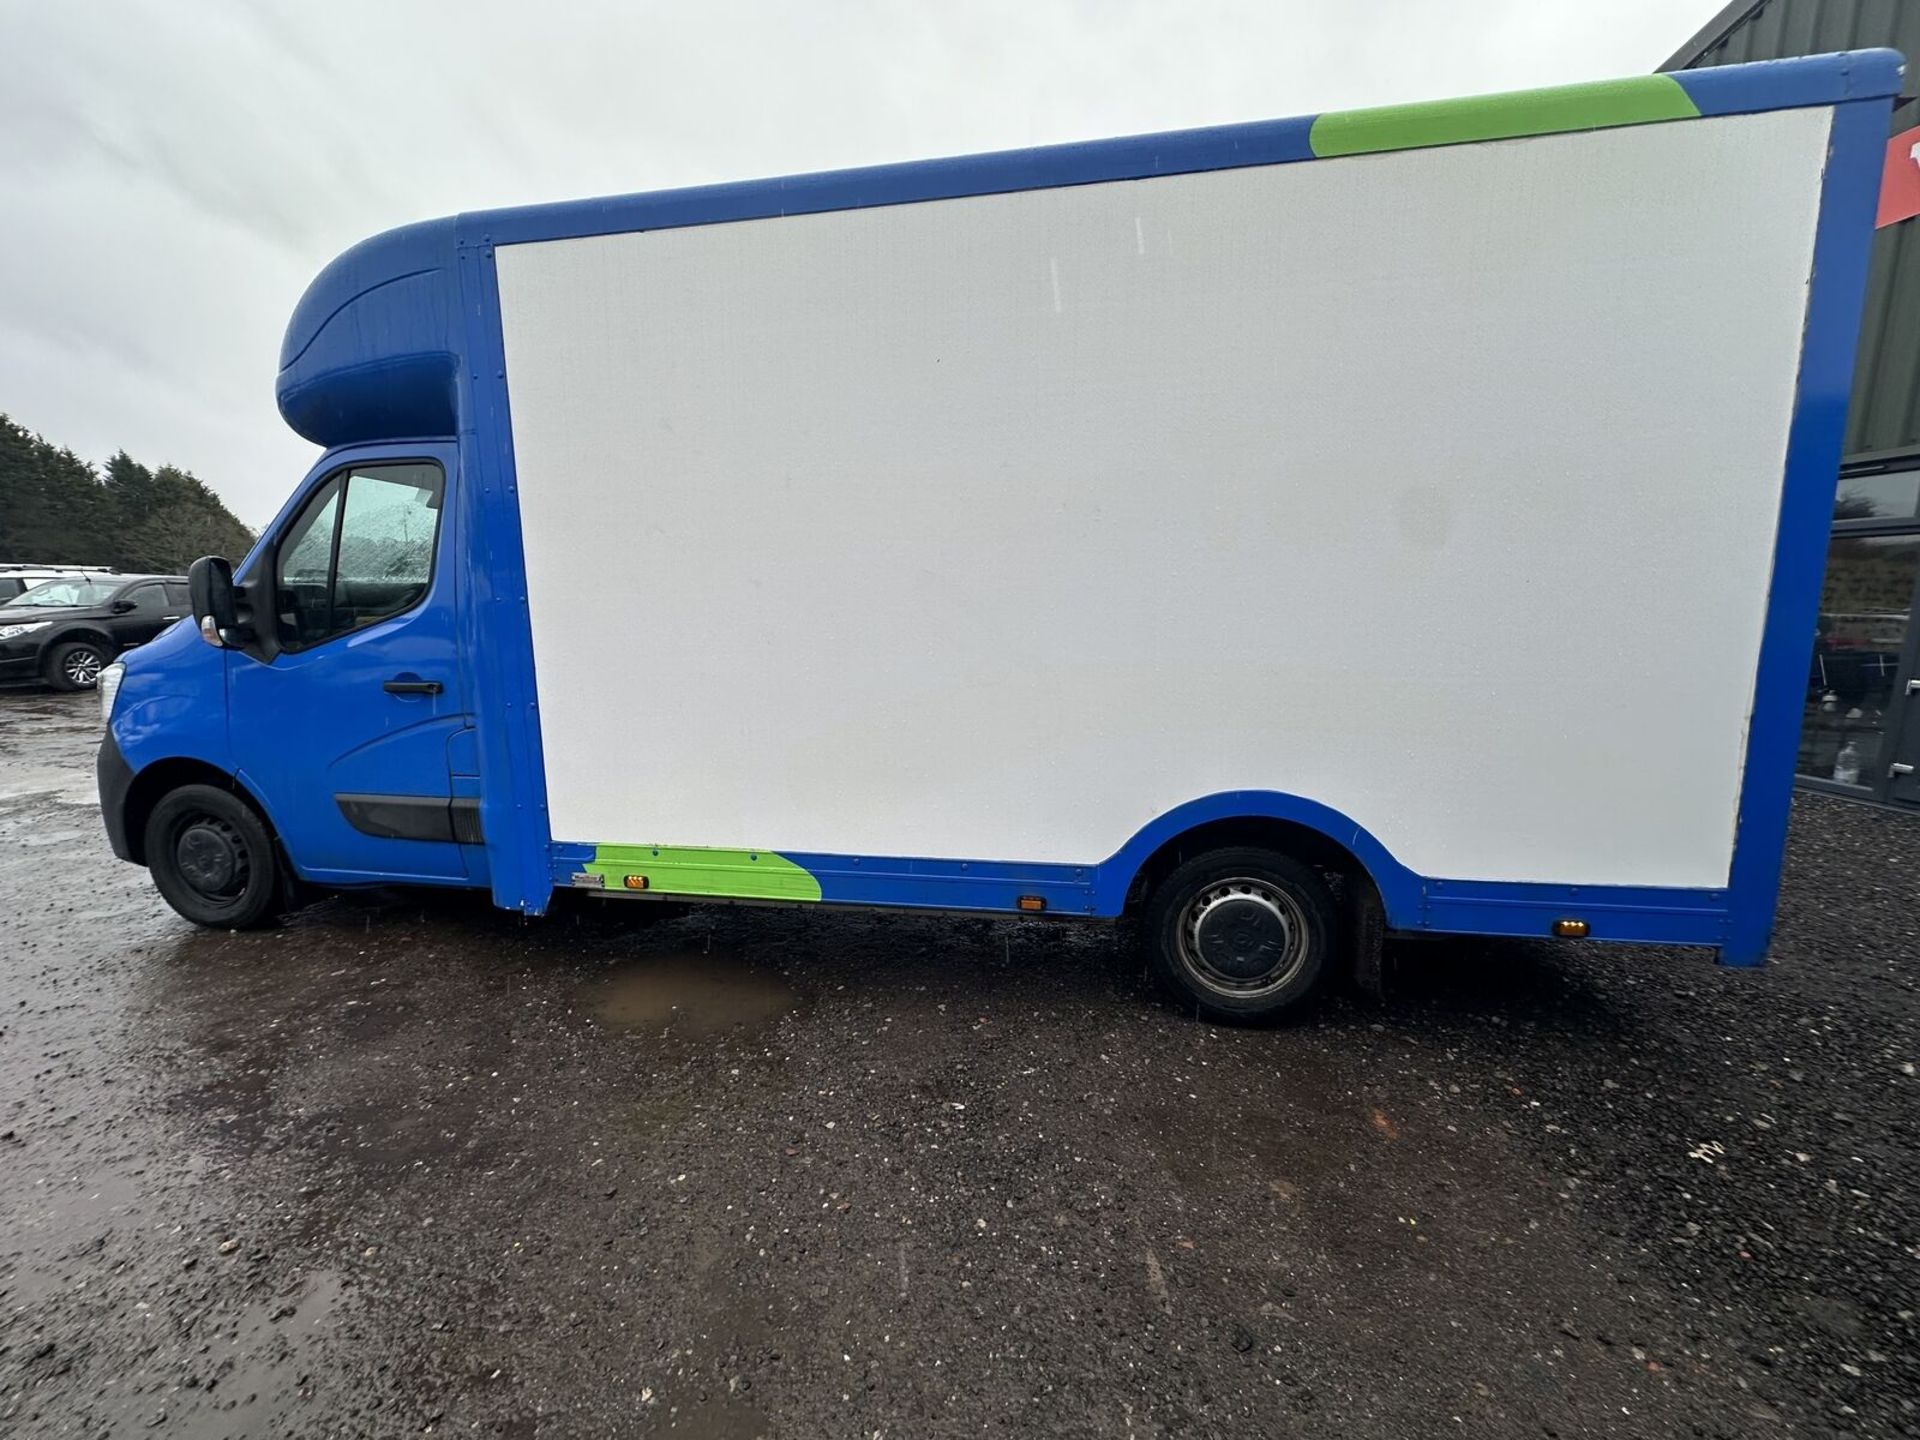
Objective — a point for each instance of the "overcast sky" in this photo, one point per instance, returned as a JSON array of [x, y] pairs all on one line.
[[175, 173]]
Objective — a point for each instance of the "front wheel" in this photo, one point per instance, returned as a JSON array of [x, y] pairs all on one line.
[[212, 858], [1241, 935], [75, 665]]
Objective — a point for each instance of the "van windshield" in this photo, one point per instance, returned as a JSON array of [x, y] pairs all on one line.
[[65, 592]]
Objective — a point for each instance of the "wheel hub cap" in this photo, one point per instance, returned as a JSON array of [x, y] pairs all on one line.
[[211, 859], [1244, 937]]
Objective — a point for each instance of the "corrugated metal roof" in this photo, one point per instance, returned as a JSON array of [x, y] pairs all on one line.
[[1886, 392]]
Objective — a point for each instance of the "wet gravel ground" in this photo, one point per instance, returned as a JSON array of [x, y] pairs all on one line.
[[408, 1166]]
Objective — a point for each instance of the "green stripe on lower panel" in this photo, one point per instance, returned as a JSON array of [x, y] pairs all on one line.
[[1639, 100], [691, 870]]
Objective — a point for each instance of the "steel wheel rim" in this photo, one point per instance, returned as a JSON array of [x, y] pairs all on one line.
[[1244, 937], [83, 667], [200, 846]]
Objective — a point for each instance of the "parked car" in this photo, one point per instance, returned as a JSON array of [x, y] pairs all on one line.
[[16, 579], [64, 631]]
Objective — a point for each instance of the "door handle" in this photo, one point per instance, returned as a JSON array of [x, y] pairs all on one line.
[[1897, 769], [412, 687]]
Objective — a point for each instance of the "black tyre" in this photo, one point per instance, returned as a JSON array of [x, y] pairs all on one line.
[[76, 664], [1241, 935], [213, 860]]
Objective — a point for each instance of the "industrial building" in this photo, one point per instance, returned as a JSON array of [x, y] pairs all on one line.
[[1862, 731]]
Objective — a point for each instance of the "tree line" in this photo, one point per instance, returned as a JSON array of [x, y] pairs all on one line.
[[57, 509]]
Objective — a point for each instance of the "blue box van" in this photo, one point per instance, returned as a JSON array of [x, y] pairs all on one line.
[[1403, 519]]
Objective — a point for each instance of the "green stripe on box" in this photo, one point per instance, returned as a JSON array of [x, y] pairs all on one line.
[[693, 870], [1639, 100]]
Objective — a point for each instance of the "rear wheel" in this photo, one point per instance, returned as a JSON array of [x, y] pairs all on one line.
[[1241, 935], [76, 665], [212, 858]]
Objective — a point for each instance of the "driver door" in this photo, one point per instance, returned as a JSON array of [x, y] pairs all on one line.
[[343, 718], [140, 612]]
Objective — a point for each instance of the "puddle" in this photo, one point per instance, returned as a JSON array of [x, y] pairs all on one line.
[[62, 785], [40, 840], [696, 997], [1296, 1143], [257, 1367], [47, 1225]]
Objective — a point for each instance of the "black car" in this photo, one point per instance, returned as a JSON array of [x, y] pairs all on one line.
[[65, 631]]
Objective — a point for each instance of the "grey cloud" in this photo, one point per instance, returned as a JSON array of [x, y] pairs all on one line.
[[176, 173]]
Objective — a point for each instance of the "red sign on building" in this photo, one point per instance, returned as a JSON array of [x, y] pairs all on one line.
[[1900, 181]]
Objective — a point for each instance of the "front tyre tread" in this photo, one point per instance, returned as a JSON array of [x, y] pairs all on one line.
[[257, 896]]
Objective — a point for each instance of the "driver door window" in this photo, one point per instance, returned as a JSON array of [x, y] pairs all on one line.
[[361, 551]]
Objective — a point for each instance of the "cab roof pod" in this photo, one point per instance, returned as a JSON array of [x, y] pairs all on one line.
[[371, 352]]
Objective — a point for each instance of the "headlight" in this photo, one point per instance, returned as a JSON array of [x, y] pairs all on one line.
[[7, 632], [109, 684]]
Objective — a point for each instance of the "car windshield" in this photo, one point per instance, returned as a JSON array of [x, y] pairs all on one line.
[[65, 592]]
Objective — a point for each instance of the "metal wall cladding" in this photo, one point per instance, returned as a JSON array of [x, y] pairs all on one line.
[[1886, 389]]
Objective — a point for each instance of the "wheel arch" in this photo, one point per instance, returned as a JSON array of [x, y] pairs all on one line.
[[161, 777], [1291, 824], [79, 632]]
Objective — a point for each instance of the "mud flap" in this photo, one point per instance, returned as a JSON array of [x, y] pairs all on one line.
[[1366, 927]]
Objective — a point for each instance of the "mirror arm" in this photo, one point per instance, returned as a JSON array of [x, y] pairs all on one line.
[[240, 631]]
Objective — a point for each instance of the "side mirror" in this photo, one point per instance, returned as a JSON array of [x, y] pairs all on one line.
[[122, 607], [210, 586]]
